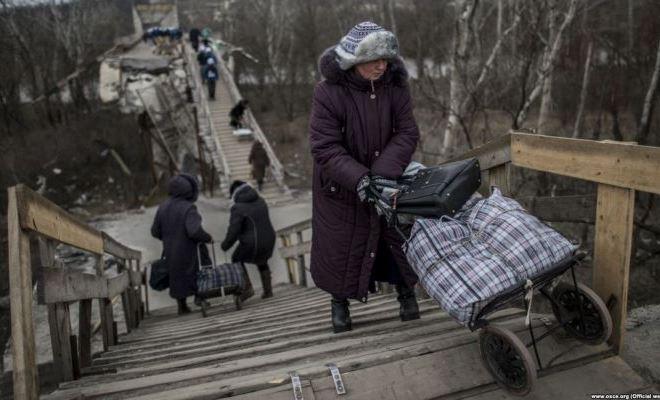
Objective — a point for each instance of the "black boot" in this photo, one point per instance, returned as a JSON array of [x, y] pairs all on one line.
[[182, 307], [266, 283], [409, 310], [341, 316]]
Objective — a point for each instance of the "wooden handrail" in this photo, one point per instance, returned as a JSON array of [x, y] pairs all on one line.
[[614, 163], [27, 213]]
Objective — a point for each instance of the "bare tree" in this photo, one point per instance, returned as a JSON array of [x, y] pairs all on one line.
[[547, 65], [583, 91], [649, 101]]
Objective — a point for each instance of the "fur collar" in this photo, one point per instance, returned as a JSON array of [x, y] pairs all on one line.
[[329, 68]]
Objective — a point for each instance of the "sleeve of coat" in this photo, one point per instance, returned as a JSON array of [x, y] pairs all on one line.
[[155, 227], [397, 154], [194, 230], [327, 144], [234, 229]]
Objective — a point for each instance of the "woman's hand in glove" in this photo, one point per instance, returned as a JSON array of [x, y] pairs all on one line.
[[362, 186]]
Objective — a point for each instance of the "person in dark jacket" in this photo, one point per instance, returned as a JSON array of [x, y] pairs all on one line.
[[249, 224], [179, 226], [236, 114], [211, 77], [260, 161], [361, 124], [194, 35]]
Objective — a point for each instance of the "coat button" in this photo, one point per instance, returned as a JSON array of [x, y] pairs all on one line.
[[333, 189], [372, 254], [377, 153]]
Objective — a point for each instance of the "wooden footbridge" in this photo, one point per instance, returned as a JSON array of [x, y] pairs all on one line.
[[262, 350]]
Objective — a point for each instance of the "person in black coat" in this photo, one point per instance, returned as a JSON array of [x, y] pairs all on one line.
[[249, 224], [179, 226], [236, 114]]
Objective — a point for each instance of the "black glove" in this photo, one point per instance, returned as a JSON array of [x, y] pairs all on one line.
[[362, 186]]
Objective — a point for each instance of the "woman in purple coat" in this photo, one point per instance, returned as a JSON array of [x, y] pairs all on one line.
[[362, 124]]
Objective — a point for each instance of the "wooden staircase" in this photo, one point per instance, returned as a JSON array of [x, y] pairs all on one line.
[[249, 354], [233, 152]]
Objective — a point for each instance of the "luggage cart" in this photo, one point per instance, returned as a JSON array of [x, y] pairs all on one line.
[[576, 307], [232, 271]]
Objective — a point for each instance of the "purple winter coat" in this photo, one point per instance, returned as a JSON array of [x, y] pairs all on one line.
[[352, 134]]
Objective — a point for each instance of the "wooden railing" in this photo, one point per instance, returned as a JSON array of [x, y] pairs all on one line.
[[294, 254], [619, 169], [28, 215]]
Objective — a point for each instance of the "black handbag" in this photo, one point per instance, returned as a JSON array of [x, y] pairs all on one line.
[[159, 279], [441, 190]]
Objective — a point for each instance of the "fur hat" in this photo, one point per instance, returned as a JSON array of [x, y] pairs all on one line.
[[366, 42]]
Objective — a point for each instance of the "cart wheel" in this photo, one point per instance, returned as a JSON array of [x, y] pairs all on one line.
[[507, 359], [204, 306], [595, 327], [238, 302]]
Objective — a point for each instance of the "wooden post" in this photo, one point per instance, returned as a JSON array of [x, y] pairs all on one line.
[[612, 251], [500, 176], [126, 300], [26, 380], [146, 289], [110, 322], [106, 328], [302, 272], [85, 332], [289, 264], [75, 361], [60, 338]]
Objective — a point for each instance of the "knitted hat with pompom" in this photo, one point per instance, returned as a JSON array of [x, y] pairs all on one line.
[[366, 42]]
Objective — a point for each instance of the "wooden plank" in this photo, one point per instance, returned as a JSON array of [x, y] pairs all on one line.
[[302, 271], [299, 226], [492, 154], [579, 208], [112, 246], [117, 284], [609, 376], [60, 336], [41, 215], [295, 250], [75, 360], [85, 332], [615, 213], [623, 165], [24, 360], [57, 285], [499, 176], [135, 277], [128, 310]]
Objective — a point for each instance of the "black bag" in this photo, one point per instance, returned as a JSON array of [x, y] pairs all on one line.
[[440, 190], [159, 279]]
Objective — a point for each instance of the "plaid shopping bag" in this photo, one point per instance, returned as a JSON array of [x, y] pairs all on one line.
[[491, 246], [211, 278]]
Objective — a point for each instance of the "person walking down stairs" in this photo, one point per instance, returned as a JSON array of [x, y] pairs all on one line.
[[249, 224], [211, 76], [260, 161], [179, 226]]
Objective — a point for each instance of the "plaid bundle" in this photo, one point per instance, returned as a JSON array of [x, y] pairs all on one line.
[[211, 278], [490, 246]]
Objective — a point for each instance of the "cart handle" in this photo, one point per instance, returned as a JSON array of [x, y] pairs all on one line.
[[213, 259]]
